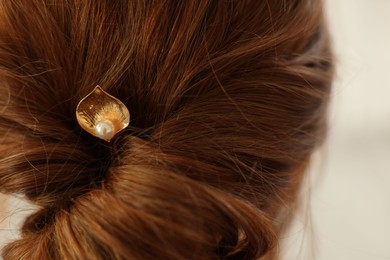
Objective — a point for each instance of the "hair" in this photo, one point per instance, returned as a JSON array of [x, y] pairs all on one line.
[[228, 100]]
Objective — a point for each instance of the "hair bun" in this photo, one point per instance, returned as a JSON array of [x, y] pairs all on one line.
[[141, 206]]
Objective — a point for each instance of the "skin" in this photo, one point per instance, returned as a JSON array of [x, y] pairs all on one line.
[[3, 203]]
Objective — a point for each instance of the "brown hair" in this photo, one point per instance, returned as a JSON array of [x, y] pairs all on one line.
[[227, 99]]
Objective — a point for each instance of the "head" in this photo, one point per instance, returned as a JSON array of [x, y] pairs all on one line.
[[227, 99]]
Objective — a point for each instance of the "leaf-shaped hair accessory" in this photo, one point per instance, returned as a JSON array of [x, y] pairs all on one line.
[[102, 115]]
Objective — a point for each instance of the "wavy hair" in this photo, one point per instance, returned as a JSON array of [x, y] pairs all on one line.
[[228, 100]]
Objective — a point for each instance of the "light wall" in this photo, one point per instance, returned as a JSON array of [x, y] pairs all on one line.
[[347, 216]]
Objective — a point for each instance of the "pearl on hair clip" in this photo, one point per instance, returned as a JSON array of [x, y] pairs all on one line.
[[105, 130], [102, 115]]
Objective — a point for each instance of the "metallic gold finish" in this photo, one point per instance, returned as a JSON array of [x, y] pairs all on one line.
[[102, 115]]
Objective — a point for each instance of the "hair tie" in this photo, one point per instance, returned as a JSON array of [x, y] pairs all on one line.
[[102, 115]]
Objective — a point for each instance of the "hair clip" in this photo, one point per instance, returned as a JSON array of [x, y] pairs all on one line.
[[102, 115]]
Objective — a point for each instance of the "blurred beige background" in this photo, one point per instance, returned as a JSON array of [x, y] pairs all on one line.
[[347, 215]]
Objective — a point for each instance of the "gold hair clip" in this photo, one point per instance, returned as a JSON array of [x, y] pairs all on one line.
[[102, 115]]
